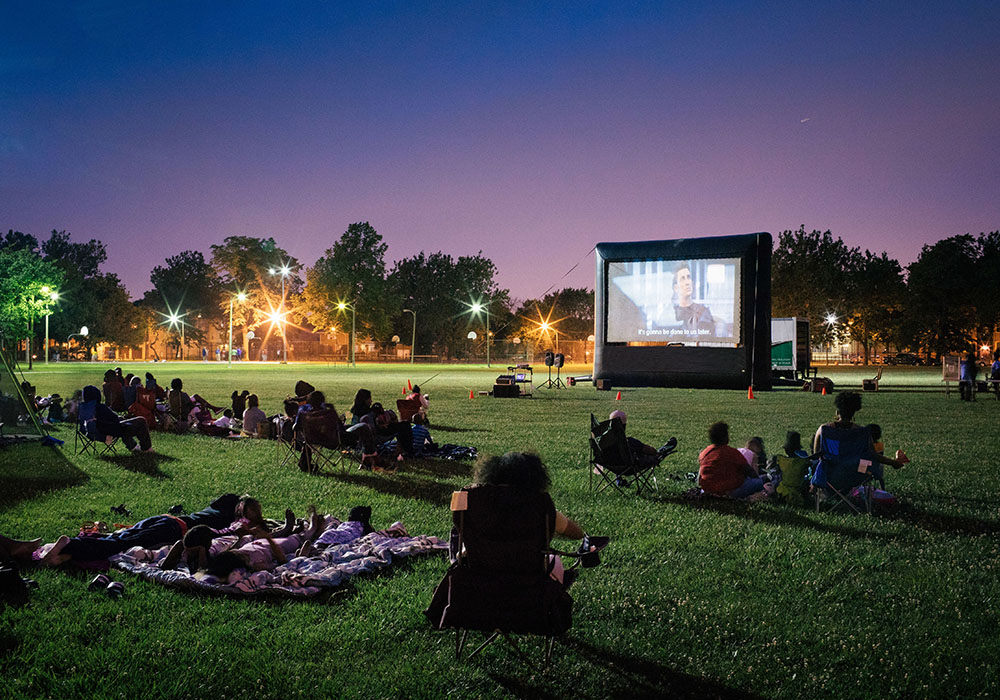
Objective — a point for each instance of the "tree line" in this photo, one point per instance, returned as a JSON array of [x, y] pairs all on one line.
[[945, 301]]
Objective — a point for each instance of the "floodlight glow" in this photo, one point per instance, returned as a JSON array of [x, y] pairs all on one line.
[[84, 331], [285, 270], [272, 271], [831, 319], [241, 296], [45, 290], [173, 319], [274, 317], [543, 326], [341, 306], [476, 307]]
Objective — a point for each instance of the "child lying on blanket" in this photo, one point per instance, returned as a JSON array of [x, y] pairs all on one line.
[[230, 512]]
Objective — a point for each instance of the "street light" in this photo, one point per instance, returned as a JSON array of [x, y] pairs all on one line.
[[413, 343], [84, 332], [54, 296], [341, 306], [476, 307], [240, 297], [174, 321], [284, 271]]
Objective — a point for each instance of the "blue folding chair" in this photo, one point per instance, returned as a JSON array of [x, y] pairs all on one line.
[[88, 437], [846, 462]]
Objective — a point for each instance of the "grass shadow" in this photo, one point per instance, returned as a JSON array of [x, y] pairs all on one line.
[[774, 514], [449, 429], [941, 522], [641, 677], [29, 469], [141, 463], [446, 468], [401, 485]]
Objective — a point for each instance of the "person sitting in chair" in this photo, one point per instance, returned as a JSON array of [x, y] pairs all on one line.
[[645, 455], [848, 403], [723, 470], [108, 423], [525, 471]]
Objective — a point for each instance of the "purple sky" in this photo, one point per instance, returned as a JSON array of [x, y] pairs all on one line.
[[530, 131]]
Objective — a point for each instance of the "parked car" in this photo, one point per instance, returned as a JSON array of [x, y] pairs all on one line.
[[904, 358]]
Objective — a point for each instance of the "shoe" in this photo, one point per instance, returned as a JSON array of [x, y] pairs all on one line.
[[98, 582], [668, 447]]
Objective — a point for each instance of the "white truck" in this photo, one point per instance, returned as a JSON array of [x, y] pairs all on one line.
[[790, 354]]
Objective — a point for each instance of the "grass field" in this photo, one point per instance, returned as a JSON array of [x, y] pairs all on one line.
[[693, 599]]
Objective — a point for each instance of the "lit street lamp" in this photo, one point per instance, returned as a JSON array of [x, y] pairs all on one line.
[[241, 297], [174, 321], [84, 332], [284, 271], [341, 306], [54, 296], [413, 343], [476, 307]]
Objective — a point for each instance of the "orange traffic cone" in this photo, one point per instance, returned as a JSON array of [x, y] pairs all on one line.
[[619, 397], [824, 388], [404, 391], [471, 394], [408, 385], [750, 393]]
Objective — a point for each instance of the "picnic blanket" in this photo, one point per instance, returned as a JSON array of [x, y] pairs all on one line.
[[301, 577]]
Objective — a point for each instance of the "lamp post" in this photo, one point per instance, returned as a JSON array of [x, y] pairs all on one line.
[[54, 296], [476, 307], [341, 306], [284, 271], [84, 332], [413, 342], [174, 321], [241, 297]]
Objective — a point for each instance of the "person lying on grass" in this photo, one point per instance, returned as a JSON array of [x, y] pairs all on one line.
[[266, 553], [848, 403], [228, 513], [723, 470]]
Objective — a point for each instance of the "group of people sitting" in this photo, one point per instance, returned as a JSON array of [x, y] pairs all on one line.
[[367, 425], [748, 473]]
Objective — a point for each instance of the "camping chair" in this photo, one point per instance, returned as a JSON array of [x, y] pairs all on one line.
[[872, 384], [320, 434], [499, 582], [88, 437], [285, 440], [612, 460], [845, 463], [407, 408]]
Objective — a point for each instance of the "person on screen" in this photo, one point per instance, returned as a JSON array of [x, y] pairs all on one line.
[[690, 314]]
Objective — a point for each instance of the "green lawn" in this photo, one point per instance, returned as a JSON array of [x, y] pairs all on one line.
[[697, 599]]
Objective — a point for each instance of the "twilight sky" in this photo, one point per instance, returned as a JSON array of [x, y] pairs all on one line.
[[530, 131]]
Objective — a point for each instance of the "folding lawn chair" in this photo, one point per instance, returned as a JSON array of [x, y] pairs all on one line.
[[846, 462], [612, 460], [88, 437], [320, 433], [500, 581], [407, 408], [285, 442]]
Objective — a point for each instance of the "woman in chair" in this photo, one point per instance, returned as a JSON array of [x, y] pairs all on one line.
[[848, 403]]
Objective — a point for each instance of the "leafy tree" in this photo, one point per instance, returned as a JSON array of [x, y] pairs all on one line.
[[188, 286], [942, 292], [570, 310], [80, 301], [116, 321], [244, 264], [879, 292], [351, 271], [812, 276], [441, 290], [15, 240], [23, 274], [987, 278]]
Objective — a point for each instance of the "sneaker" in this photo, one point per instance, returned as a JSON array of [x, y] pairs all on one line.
[[668, 447]]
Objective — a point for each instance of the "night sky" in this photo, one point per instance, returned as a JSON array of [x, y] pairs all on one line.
[[528, 131]]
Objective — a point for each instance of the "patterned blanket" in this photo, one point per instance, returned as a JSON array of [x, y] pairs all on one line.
[[301, 577]]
